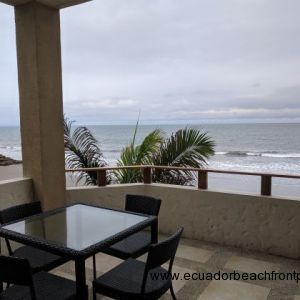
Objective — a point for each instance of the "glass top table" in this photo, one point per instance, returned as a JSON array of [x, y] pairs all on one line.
[[77, 232], [76, 227]]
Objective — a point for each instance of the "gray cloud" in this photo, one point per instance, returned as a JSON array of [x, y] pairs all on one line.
[[175, 60]]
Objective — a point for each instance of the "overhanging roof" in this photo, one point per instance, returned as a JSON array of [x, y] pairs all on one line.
[[50, 3]]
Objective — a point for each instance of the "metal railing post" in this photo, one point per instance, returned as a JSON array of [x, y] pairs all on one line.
[[266, 185], [147, 171], [101, 177], [202, 180]]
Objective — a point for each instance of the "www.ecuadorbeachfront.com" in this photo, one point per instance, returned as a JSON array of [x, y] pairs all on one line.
[[234, 275]]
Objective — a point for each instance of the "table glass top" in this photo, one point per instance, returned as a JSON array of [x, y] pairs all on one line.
[[78, 226]]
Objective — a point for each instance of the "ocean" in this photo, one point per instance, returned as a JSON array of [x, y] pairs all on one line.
[[270, 148]]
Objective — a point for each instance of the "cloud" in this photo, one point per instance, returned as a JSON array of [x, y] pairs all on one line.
[[104, 103], [175, 60]]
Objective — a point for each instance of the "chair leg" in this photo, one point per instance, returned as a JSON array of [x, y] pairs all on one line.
[[94, 267], [172, 292], [94, 294]]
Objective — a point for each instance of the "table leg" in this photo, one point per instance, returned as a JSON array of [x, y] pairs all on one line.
[[154, 232], [81, 288], [1, 283]]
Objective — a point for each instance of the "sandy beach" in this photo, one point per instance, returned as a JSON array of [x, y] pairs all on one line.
[[15, 171], [11, 172]]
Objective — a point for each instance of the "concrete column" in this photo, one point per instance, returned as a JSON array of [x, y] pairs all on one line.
[[41, 108], [40, 87]]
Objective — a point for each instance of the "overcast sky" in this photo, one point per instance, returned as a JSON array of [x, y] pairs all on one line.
[[187, 61]]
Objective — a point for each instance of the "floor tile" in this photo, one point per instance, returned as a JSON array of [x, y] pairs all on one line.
[[234, 290], [205, 258], [249, 265], [178, 284], [64, 274], [192, 253]]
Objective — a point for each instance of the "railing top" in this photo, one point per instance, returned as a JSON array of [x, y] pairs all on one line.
[[184, 169]]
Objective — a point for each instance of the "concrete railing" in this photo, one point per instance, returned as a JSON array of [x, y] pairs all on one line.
[[15, 191], [255, 222]]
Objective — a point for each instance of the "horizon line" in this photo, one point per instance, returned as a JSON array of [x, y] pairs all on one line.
[[248, 122]]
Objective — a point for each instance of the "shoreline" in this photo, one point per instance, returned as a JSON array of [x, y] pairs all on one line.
[[11, 172], [16, 172]]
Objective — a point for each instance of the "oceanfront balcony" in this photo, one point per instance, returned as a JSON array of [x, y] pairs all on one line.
[[223, 233], [235, 245]]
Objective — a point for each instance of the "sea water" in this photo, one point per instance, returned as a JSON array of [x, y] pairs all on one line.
[[269, 148]]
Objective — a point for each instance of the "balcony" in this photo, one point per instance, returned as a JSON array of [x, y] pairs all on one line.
[[224, 233]]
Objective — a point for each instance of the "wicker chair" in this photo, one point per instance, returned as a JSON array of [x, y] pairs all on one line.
[[41, 286], [39, 260], [138, 243], [134, 279]]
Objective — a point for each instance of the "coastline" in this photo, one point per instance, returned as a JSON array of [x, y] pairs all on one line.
[[11, 172], [10, 168], [16, 171]]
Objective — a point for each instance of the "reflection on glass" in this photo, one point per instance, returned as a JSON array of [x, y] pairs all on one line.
[[78, 226]]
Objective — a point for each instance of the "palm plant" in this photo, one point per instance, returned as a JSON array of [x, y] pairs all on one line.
[[138, 155], [82, 151], [185, 148]]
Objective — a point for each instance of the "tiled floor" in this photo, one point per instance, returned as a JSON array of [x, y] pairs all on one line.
[[201, 257]]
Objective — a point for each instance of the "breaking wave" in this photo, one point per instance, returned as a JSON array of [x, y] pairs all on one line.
[[262, 154]]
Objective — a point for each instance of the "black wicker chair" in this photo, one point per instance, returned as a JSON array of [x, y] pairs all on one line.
[[134, 279], [138, 243], [39, 260], [41, 286]]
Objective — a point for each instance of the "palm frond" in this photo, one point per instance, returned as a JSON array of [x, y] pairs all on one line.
[[136, 130], [149, 146], [138, 155], [82, 151], [127, 158], [186, 148]]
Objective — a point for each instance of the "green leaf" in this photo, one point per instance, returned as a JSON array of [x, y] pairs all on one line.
[[82, 151], [186, 148], [138, 155]]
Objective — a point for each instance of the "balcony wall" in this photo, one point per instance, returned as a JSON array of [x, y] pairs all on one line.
[[252, 222], [15, 191]]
